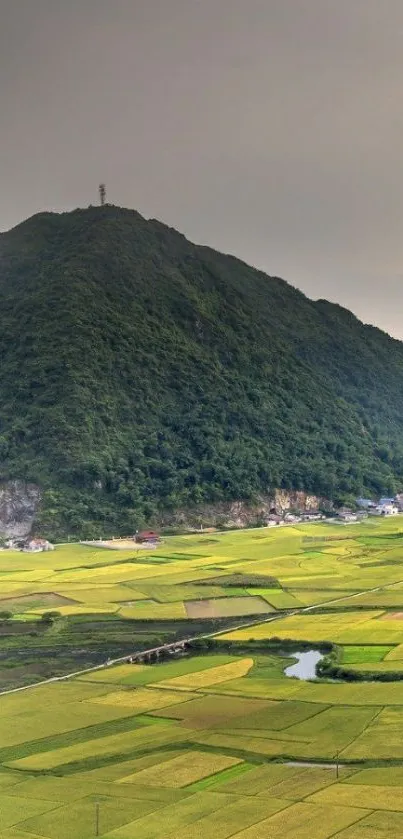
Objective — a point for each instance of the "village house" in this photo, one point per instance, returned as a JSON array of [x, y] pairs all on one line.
[[347, 515], [291, 518], [312, 515], [147, 537], [37, 545], [365, 503], [389, 509]]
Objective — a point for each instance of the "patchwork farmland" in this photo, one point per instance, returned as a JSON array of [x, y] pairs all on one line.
[[218, 742]]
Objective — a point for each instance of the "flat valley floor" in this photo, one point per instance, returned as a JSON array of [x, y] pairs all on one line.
[[221, 743]]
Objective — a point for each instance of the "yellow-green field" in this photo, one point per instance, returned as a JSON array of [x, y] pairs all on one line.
[[196, 763], [219, 744], [311, 564]]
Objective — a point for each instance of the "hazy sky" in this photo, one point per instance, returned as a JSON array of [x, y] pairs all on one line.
[[272, 129]]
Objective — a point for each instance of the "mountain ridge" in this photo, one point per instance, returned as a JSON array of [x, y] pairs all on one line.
[[147, 373]]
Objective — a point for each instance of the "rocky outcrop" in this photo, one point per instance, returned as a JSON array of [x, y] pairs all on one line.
[[19, 503], [244, 513], [284, 500]]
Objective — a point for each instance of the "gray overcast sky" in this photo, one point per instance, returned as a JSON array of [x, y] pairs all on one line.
[[272, 129]]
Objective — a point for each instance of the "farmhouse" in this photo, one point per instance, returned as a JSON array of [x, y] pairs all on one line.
[[365, 503], [385, 510], [37, 545], [347, 515], [147, 537]]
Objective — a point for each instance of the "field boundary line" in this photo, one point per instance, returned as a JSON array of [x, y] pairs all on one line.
[[375, 717], [205, 636]]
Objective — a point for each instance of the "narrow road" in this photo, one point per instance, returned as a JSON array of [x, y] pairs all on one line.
[[175, 644]]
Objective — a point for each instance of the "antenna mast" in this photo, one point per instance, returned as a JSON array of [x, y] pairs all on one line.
[[102, 194]]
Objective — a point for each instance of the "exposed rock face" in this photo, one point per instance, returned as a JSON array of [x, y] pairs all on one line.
[[19, 503], [284, 500], [244, 513]]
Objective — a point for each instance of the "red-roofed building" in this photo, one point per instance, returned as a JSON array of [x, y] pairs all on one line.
[[147, 537]]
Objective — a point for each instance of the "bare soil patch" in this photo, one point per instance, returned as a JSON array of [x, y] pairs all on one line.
[[223, 607]]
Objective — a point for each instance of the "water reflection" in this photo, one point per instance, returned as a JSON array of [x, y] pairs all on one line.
[[305, 666]]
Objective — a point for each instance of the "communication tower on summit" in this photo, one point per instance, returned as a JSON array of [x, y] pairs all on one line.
[[102, 194]]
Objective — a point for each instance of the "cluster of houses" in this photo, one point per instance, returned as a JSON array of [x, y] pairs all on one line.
[[149, 538], [31, 546], [383, 507], [364, 507], [274, 520]]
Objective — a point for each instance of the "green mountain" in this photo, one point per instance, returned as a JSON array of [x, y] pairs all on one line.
[[141, 372]]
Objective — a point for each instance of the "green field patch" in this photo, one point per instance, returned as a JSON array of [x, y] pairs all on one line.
[[144, 738], [143, 674], [75, 736], [257, 734], [223, 777], [364, 653], [327, 582], [183, 770], [116, 769], [328, 693], [150, 610], [27, 602], [250, 747], [320, 736], [185, 591], [13, 809], [319, 627], [261, 688], [269, 666], [76, 819], [371, 797], [395, 654], [210, 711], [44, 724], [277, 598], [105, 594], [377, 667], [170, 819], [378, 825], [230, 819], [304, 821], [261, 779], [142, 700], [326, 596], [207, 678], [306, 782], [278, 715], [382, 739], [389, 776], [10, 779], [75, 787], [378, 600]]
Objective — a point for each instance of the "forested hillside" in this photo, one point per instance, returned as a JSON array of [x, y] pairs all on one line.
[[141, 372]]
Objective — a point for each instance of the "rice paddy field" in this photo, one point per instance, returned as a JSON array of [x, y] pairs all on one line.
[[219, 742]]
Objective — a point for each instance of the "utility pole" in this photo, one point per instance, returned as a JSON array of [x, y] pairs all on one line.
[[97, 819], [102, 194], [337, 764]]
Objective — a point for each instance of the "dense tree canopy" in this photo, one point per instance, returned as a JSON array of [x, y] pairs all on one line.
[[141, 372]]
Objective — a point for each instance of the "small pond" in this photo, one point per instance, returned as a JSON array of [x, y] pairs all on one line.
[[305, 666]]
